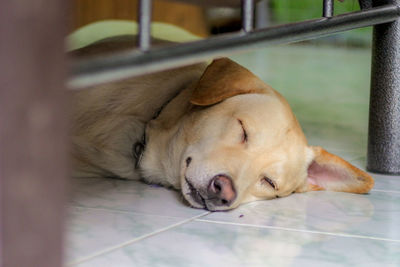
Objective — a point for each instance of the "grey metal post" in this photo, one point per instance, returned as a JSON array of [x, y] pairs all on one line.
[[262, 14], [384, 115], [247, 15], [327, 10], [144, 19]]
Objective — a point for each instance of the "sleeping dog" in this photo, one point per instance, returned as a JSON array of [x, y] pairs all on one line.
[[217, 133]]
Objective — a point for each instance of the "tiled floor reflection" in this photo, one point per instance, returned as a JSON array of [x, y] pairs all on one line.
[[127, 223]]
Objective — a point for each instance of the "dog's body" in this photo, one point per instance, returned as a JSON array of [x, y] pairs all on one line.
[[223, 137], [110, 119]]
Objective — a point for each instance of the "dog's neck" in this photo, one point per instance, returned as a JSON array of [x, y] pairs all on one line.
[[139, 147], [161, 161]]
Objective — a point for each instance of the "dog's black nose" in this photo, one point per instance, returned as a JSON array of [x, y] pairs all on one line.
[[220, 191]]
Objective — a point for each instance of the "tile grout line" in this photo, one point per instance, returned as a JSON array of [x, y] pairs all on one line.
[[301, 230], [126, 243], [123, 211], [385, 191]]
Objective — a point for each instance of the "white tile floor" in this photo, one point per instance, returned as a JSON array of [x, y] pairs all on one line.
[[127, 223]]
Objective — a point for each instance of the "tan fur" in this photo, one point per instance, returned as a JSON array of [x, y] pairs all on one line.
[[358, 181], [230, 78], [204, 122]]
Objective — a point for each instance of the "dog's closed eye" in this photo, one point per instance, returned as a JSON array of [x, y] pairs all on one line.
[[244, 134], [272, 183]]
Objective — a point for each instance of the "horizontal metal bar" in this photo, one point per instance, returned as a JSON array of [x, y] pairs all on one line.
[[123, 65]]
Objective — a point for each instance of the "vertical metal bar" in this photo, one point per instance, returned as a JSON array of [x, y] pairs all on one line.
[[144, 18], [327, 11], [262, 15], [384, 114], [247, 15]]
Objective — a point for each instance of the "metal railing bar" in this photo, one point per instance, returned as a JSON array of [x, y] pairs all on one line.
[[144, 18], [123, 65], [327, 10], [247, 15]]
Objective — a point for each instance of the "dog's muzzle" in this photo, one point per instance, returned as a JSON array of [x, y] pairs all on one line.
[[219, 194]]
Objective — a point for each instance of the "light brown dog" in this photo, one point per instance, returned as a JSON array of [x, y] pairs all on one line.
[[223, 137]]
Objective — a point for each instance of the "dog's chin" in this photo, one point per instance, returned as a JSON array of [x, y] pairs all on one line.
[[195, 201]]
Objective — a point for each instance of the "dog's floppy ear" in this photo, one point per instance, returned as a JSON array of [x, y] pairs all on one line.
[[222, 79], [330, 172]]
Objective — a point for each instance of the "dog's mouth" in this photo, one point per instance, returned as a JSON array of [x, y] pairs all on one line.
[[200, 199], [195, 195]]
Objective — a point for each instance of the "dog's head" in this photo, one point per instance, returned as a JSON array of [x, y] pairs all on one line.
[[241, 142]]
